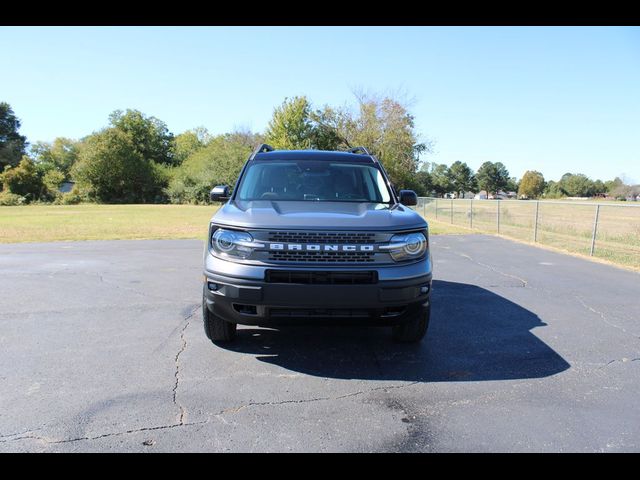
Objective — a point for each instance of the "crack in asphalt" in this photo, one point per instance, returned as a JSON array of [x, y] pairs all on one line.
[[182, 423], [544, 290], [621, 360], [183, 347], [119, 286], [105, 435], [6, 435], [233, 410], [604, 317], [493, 269]]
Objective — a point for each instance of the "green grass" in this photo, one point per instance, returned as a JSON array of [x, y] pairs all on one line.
[[568, 230], [51, 223]]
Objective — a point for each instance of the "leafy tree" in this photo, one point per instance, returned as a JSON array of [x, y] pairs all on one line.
[[440, 179], [387, 129], [12, 144], [492, 177], [188, 143], [553, 190], [59, 155], [383, 125], [599, 187], [52, 181], [512, 185], [23, 180], [219, 163], [577, 185], [290, 127], [612, 185], [621, 190], [422, 184], [461, 178], [532, 184], [150, 137], [111, 168], [565, 177], [328, 128]]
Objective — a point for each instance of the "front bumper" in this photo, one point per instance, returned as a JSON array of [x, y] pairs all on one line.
[[254, 301]]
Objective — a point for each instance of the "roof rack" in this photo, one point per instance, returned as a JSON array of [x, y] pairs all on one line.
[[359, 150], [264, 148]]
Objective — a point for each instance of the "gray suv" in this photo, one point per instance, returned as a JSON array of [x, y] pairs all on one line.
[[318, 236]]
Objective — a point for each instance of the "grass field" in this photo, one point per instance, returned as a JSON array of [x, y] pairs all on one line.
[[567, 226], [51, 223]]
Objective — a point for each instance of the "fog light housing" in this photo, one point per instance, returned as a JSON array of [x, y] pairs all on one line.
[[213, 286], [424, 289]]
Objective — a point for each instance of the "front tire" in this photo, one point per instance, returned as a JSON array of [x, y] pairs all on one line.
[[413, 330], [217, 329]]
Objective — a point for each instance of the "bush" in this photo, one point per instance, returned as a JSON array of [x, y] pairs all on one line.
[[23, 180], [218, 163], [52, 181], [111, 170], [75, 196], [8, 199]]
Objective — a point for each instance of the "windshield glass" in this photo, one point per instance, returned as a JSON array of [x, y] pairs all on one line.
[[314, 181]]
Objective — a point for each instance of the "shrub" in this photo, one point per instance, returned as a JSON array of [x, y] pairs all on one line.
[[23, 180], [8, 199], [75, 196], [111, 170]]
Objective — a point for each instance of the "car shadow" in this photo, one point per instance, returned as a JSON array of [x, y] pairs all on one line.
[[474, 334]]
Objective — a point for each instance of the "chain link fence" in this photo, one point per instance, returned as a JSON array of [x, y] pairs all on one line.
[[605, 230]]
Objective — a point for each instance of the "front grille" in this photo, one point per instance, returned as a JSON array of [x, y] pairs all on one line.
[[321, 278], [338, 257], [322, 237]]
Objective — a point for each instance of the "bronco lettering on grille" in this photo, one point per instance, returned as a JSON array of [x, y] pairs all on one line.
[[318, 248]]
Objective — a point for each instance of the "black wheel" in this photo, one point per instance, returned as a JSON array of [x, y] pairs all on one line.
[[415, 329], [217, 329]]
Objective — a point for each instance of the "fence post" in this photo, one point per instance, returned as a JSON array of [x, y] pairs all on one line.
[[595, 230], [452, 210], [436, 208], [471, 213], [498, 215], [535, 225]]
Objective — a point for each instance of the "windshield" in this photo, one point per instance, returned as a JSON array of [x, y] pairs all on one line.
[[314, 181]]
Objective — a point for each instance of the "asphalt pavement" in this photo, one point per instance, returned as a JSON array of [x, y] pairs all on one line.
[[102, 348]]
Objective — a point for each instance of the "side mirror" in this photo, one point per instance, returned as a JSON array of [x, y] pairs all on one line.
[[408, 198], [219, 193]]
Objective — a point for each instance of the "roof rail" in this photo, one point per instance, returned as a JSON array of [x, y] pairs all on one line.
[[264, 148], [359, 150]]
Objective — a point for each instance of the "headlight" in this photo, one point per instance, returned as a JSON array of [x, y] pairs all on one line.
[[406, 246], [230, 243]]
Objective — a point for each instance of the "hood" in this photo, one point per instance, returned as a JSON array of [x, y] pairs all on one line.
[[317, 215]]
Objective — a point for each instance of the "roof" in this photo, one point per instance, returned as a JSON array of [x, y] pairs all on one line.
[[328, 155], [66, 187]]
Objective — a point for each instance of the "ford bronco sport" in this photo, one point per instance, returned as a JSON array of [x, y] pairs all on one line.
[[316, 235]]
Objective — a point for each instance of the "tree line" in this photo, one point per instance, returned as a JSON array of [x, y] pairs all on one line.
[[136, 159]]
